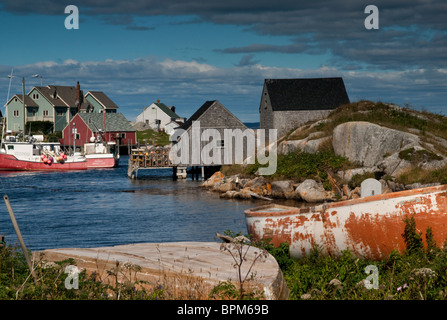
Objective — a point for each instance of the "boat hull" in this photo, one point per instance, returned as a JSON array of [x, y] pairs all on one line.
[[11, 163], [370, 227], [95, 161]]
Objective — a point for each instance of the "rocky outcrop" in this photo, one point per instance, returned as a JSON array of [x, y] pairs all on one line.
[[372, 150], [312, 191], [310, 144], [367, 144], [233, 187], [284, 190]]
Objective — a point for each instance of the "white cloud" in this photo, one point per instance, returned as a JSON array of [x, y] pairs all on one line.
[[188, 84]]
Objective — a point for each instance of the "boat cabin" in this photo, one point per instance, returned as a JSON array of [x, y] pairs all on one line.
[[100, 148], [28, 150]]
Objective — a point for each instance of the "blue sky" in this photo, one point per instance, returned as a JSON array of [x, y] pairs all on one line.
[[185, 53]]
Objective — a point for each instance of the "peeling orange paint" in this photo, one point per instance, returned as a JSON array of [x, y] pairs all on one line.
[[370, 227]]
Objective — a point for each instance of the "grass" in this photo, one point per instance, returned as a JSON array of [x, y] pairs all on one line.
[[419, 175], [153, 137], [419, 273], [298, 166], [416, 156], [386, 115]]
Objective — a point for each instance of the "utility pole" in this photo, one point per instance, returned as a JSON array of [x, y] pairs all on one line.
[[24, 108], [75, 130]]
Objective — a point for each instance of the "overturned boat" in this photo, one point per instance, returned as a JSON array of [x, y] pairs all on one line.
[[371, 227]]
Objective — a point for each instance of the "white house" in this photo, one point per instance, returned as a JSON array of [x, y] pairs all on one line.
[[158, 115]]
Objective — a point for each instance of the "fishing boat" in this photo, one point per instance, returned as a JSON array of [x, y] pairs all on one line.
[[38, 156], [101, 155], [370, 227]]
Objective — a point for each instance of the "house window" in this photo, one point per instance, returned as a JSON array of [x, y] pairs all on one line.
[[123, 135], [60, 114], [45, 113], [220, 143], [78, 136], [16, 113], [35, 96]]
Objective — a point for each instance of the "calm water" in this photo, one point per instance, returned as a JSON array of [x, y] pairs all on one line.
[[103, 207]]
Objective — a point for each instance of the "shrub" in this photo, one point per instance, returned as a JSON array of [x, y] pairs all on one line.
[[413, 239]]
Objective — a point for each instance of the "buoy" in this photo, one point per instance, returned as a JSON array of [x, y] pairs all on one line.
[[49, 161]]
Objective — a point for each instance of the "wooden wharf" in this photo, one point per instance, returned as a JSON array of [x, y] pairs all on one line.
[[157, 157], [153, 157]]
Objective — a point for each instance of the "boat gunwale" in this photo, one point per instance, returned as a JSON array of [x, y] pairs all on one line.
[[66, 166], [258, 211]]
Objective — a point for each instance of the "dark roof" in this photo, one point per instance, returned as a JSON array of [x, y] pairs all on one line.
[[114, 121], [103, 99], [28, 101], [85, 105], [197, 114], [64, 96], [203, 109], [167, 110], [306, 94]]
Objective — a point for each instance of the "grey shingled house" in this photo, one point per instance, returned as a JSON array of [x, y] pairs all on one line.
[[213, 115], [288, 103]]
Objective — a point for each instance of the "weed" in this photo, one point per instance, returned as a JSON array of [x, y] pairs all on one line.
[[412, 238], [238, 248], [414, 274], [153, 137], [357, 179]]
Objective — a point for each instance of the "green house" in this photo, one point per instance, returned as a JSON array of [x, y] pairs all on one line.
[[15, 113], [98, 102], [56, 104]]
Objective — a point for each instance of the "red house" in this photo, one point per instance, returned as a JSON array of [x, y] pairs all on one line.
[[112, 127]]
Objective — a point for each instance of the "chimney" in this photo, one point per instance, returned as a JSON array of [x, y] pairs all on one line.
[[78, 96], [172, 108]]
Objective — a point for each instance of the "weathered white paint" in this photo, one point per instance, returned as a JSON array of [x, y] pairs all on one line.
[[371, 227]]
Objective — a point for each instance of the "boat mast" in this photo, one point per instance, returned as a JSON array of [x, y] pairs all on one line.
[[7, 99]]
